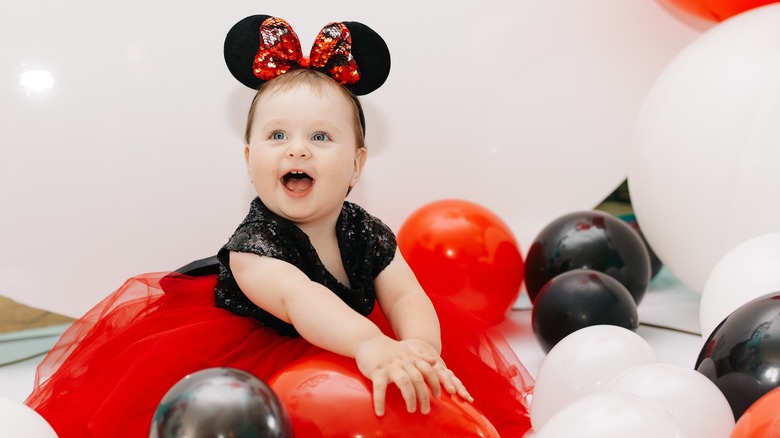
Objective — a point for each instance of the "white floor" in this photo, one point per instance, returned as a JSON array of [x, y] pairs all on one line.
[[667, 304]]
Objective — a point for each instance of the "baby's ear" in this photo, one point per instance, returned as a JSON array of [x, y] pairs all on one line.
[[360, 161], [246, 160]]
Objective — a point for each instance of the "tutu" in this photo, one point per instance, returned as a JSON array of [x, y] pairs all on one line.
[[110, 369]]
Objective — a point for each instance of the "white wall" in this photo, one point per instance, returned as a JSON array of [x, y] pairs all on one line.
[[132, 161]]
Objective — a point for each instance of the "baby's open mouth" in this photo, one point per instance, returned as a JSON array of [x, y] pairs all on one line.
[[297, 181]]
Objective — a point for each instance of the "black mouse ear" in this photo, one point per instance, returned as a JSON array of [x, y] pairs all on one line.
[[242, 43], [371, 56]]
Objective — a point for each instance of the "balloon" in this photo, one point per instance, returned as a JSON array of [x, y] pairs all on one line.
[[465, 252], [692, 399], [220, 402], [747, 271], [584, 363], [719, 10], [19, 420], [578, 299], [588, 240], [702, 163], [742, 355], [612, 415], [327, 396], [762, 419]]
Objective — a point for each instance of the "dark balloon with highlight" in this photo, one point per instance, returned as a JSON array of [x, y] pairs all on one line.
[[742, 355], [578, 299], [592, 240], [218, 402]]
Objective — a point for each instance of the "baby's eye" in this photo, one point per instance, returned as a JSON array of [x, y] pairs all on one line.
[[320, 136], [278, 135]]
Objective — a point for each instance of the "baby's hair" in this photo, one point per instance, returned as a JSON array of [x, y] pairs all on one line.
[[317, 81]]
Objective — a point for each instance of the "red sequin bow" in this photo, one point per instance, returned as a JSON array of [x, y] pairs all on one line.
[[280, 51]]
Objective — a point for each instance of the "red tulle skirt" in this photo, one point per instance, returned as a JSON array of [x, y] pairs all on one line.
[[110, 369]]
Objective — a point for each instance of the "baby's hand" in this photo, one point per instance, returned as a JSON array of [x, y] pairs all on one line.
[[384, 361], [443, 375]]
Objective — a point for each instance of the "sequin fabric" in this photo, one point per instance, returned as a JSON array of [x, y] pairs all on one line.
[[367, 246], [280, 51], [332, 52]]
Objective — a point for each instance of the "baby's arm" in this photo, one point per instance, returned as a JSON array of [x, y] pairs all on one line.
[[327, 322], [413, 319]]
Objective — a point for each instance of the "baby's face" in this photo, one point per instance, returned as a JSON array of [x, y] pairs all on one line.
[[302, 155]]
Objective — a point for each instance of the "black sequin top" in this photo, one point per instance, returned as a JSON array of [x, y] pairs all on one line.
[[367, 246]]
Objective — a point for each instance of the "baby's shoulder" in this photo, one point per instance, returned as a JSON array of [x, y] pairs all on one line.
[[356, 219]]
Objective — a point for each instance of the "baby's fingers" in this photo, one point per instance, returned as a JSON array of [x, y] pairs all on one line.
[[413, 389], [420, 389], [461, 389], [447, 380], [380, 390], [453, 385], [431, 377]]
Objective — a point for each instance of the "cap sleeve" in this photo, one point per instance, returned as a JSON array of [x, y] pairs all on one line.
[[371, 244]]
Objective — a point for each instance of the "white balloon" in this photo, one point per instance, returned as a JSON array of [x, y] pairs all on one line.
[[747, 271], [612, 415], [704, 156], [584, 363], [20, 421], [692, 399]]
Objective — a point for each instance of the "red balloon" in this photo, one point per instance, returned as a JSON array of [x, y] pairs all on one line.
[[463, 251], [326, 396], [719, 10], [762, 418]]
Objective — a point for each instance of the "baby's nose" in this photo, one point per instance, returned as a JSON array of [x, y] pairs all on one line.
[[297, 149]]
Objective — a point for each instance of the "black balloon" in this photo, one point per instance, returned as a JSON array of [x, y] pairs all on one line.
[[578, 299], [742, 355], [588, 240], [219, 402]]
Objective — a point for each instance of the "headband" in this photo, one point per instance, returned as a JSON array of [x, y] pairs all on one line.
[[260, 48]]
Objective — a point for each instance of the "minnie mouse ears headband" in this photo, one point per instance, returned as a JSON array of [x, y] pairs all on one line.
[[260, 48]]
